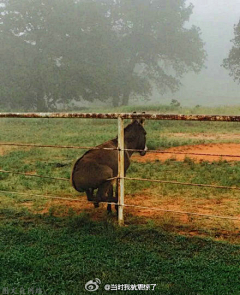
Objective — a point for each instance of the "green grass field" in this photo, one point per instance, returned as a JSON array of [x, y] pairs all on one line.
[[59, 247], [60, 255]]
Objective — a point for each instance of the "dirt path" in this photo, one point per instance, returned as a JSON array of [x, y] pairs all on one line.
[[215, 149]]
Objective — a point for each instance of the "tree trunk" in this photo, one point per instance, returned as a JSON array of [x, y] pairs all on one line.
[[40, 101], [126, 94], [127, 91], [125, 99]]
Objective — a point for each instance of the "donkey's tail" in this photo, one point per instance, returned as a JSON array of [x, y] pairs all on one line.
[[72, 178]]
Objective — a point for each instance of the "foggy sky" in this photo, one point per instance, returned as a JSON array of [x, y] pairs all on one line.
[[213, 86]]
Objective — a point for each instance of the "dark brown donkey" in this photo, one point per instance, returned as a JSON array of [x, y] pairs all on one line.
[[92, 170]]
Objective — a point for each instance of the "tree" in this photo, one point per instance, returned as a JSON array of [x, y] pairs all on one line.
[[64, 50], [158, 47], [45, 57], [232, 63], [36, 41]]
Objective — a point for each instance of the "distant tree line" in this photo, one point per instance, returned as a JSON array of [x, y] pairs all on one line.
[[109, 50], [232, 63]]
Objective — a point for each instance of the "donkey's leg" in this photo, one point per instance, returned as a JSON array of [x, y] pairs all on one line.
[[102, 193], [110, 199], [89, 193], [104, 173], [90, 196]]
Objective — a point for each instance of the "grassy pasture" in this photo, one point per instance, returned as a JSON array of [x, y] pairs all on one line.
[[60, 255], [59, 247]]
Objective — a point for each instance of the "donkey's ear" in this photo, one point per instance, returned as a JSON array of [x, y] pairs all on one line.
[[142, 120]]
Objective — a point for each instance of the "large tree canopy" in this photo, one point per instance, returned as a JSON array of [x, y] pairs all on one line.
[[158, 47], [232, 63], [50, 53], [63, 50]]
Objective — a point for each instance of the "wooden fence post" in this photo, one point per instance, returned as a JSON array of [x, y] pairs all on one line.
[[120, 181]]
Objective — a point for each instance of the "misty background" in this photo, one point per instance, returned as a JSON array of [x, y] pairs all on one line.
[[213, 85]]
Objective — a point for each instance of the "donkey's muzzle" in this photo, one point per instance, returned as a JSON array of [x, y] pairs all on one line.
[[143, 153]]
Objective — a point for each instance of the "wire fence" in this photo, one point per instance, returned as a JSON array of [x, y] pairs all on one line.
[[126, 205], [55, 146], [124, 116], [130, 178], [33, 175], [110, 149], [51, 197]]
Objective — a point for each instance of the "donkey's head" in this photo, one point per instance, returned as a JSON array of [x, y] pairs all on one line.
[[135, 136]]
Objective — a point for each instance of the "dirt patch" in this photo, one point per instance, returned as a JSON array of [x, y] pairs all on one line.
[[28, 204], [169, 213], [152, 201], [215, 150], [59, 207], [207, 136], [6, 149]]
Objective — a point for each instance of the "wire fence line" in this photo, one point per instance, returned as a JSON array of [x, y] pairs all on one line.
[[55, 146], [110, 149], [184, 212], [129, 178], [42, 176], [184, 153], [120, 118], [184, 183], [34, 175], [125, 205]]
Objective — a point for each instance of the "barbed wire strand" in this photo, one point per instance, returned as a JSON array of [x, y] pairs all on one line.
[[34, 175], [56, 146], [184, 212], [128, 178], [184, 153], [42, 176], [37, 195], [128, 205], [130, 150], [184, 183]]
